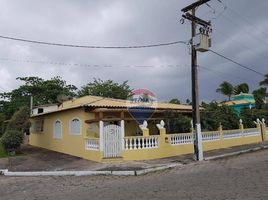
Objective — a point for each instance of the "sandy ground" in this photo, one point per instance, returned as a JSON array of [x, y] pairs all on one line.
[[242, 177]]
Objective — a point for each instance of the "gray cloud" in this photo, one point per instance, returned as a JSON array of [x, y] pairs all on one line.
[[126, 22]]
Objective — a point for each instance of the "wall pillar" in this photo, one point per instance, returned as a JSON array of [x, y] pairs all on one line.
[[221, 132], [163, 139], [101, 134], [241, 127], [145, 130], [122, 125], [264, 130]]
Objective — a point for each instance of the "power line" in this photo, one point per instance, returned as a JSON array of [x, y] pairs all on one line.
[[237, 63], [93, 46], [221, 74], [246, 20], [57, 63]]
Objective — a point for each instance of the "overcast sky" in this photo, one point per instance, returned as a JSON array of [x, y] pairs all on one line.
[[240, 32]]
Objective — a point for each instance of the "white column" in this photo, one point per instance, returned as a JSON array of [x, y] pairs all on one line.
[[101, 135], [122, 124]]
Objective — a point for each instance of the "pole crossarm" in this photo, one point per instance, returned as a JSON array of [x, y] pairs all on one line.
[[194, 5], [196, 19]]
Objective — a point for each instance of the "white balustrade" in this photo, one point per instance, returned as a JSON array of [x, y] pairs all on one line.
[[210, 136], [132, 143], [92, 144], [251, 132], [229, 134], [181, 138]]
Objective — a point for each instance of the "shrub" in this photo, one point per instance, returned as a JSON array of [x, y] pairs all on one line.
[[11, 140], [177, 123]]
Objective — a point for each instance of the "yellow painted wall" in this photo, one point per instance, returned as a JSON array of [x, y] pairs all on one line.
[[69, 144], [167, 150]]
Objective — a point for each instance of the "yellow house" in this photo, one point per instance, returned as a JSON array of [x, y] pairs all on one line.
[[98, 128], [105, 129]]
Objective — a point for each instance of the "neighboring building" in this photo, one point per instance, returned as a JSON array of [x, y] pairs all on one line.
[[241, 101], [94, 127]]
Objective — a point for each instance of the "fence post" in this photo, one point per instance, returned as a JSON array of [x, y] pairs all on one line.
[[221, 132], [263, 129], [241, 127], [163, 139]]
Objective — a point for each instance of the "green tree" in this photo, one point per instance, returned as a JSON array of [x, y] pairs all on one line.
[[106, 88], [213, 115], [226, 89], [177, 123], [11, 140], [259, 96], [251, 115], [175, 101], [265, 81], [20, 120], [43, 91], [2, 123], [241, 88]]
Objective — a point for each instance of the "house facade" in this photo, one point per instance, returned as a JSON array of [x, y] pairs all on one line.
[[82, 126], [104, 130], [241, 101]]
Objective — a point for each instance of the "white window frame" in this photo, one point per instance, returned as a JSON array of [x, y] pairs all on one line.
[[80, 126], [54, 130]]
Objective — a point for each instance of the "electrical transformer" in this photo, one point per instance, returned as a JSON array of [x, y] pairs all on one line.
[[202, 42]]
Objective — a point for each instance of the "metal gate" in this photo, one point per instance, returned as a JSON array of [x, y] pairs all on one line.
[[112, 141]]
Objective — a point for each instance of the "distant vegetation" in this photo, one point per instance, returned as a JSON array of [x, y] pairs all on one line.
[[14, 105]]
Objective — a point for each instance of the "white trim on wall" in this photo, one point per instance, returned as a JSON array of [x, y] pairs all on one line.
[[73, 132], [55, 134]]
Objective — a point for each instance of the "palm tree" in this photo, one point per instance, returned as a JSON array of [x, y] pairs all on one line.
[[259, 96], [226, 88], [243, 87], [265, 81]]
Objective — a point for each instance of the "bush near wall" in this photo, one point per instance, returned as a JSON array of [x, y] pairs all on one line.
[[213, 114], [11, 140], [250, 115], [177, 123]]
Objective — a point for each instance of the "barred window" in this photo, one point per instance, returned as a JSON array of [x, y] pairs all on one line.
[[37, 126], [57, 132], [75, 126]]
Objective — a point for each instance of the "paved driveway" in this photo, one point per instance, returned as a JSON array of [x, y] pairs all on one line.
[[243, 177], [38, 159]]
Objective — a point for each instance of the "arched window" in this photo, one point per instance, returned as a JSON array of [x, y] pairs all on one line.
[[57, 132], [75, 126]]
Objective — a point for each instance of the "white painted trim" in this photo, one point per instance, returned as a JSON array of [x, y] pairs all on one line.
[[60, 129], [70, 121]]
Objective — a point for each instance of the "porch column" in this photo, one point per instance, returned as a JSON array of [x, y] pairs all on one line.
[[122, 125], [101, 134]]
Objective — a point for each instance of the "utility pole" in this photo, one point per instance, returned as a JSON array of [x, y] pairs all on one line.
[[195, 97]]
